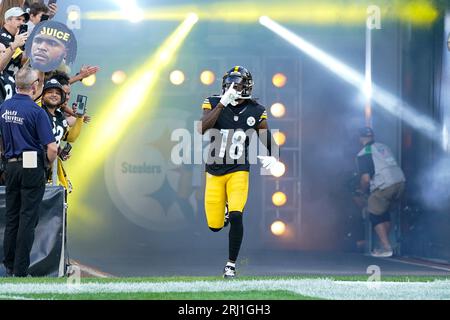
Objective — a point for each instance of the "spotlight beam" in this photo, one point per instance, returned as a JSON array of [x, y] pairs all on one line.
[[119, 112], [418, 12], [383, 98]]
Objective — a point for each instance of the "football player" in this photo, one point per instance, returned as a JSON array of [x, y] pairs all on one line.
[[227, 173]]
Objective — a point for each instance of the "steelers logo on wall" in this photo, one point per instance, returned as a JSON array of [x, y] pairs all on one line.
[[50, 44], [143, 183]]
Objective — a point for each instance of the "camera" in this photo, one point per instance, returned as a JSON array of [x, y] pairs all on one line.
[[81, 105], [23, 28], [51, 2], [65, 151], [45, 17]]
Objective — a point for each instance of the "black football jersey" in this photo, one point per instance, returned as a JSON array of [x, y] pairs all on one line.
[[7, 87], [229, 144], [59, 124], [16, 62]]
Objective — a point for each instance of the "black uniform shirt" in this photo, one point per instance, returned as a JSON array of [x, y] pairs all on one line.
[[16, 62], [233, 123], [59, 124], [7, 87]]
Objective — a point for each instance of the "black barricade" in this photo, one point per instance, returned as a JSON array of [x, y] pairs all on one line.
[[47, 255]]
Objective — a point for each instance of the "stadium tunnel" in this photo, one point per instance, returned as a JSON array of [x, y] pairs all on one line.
[[134, 212]]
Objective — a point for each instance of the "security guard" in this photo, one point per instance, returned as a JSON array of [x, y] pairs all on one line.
[[28, 142], [381, 175], [227, 171]]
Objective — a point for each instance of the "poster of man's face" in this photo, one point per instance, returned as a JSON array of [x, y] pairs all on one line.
[[51, 44]]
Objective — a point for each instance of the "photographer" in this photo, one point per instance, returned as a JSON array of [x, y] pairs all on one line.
[[11, 60], [5, 5], [26, 134]]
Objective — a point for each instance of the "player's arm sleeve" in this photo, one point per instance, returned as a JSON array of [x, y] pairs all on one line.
[[74, 132], [44, 129], [206, 104]]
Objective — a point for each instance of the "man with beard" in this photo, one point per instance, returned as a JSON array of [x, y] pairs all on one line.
[[52, 43]]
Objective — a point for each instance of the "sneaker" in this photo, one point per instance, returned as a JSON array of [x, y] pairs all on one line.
[[227, 216], [229, 272], [382, 253]]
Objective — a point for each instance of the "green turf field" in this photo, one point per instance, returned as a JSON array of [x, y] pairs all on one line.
[[210, 288]]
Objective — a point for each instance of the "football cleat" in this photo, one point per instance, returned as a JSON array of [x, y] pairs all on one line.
[[229, 272]]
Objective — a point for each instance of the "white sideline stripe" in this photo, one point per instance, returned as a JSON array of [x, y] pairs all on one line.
[[5, 297], [420, 264], [320, 288]]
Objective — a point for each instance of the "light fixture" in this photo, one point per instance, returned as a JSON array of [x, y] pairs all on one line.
[[177, 77], [279, 137], [278, 228], [279, 198], [89, 81], [278, 110], [118, 77], [279, 80], [207, 77], [278, 169], [74, 17]]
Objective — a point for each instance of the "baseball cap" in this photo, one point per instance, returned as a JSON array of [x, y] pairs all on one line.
[[366, 132], [16, 12], [54, 84]]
